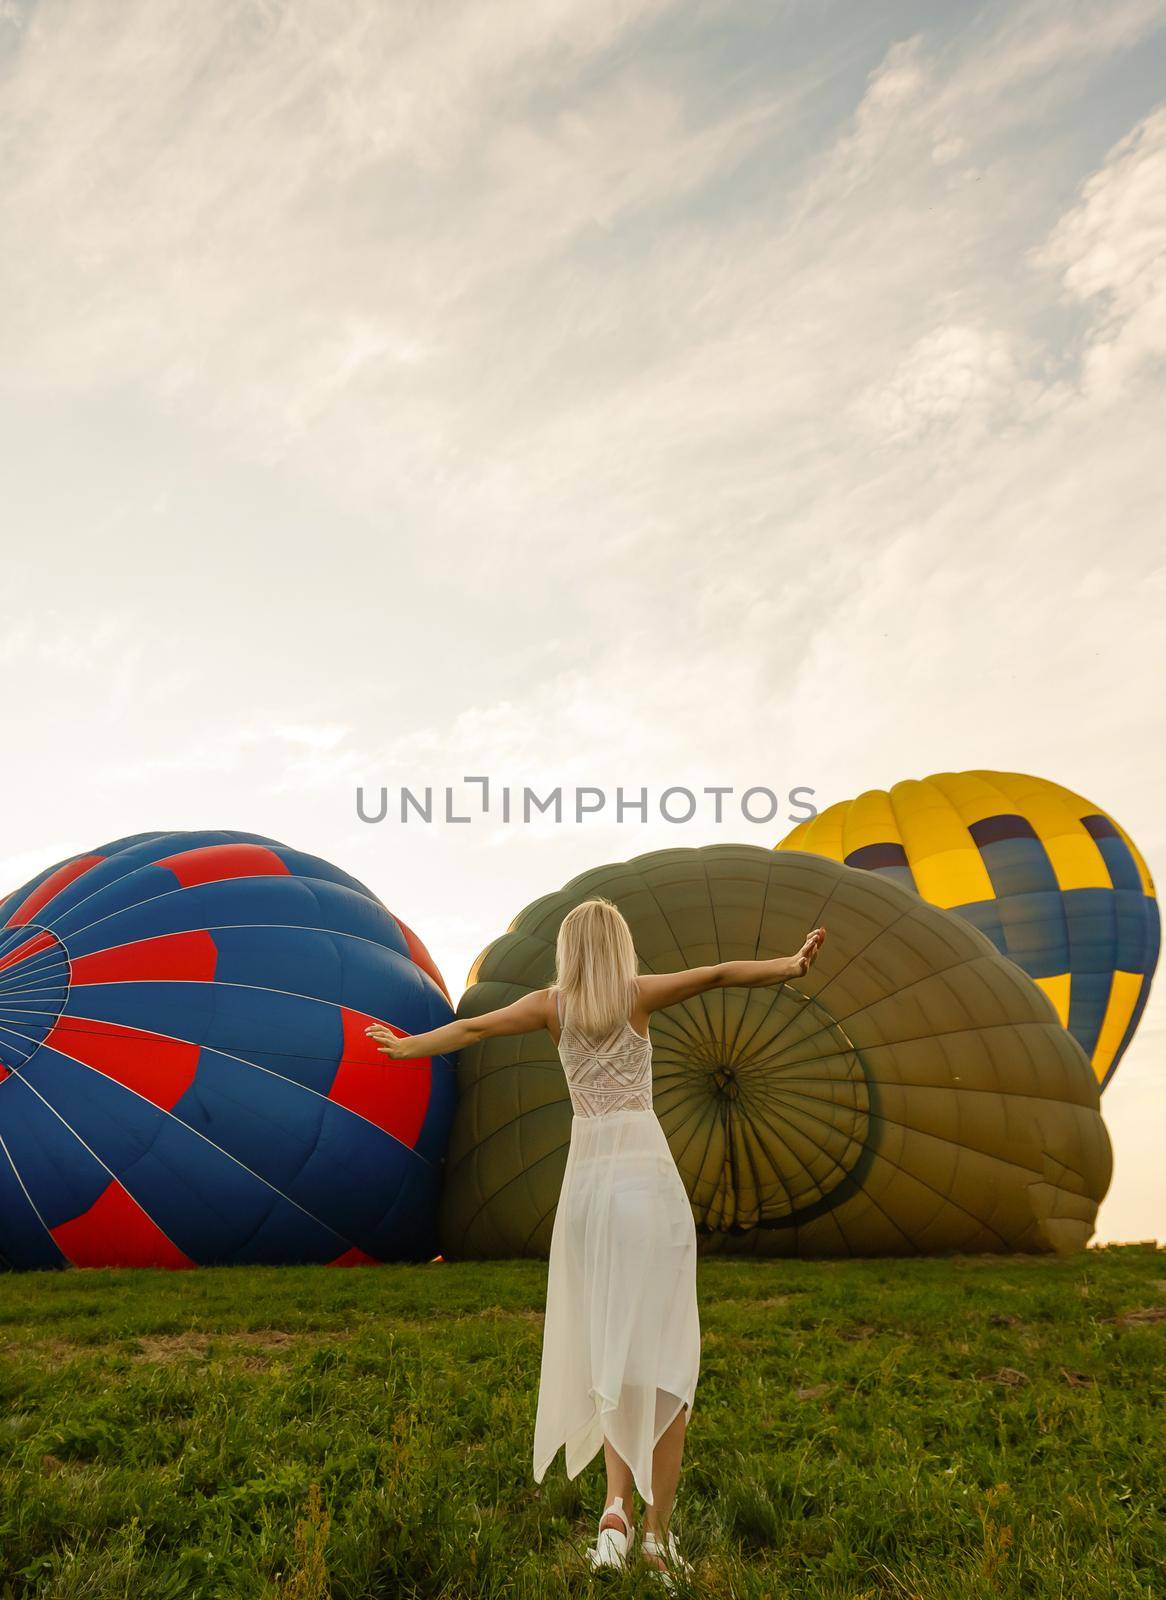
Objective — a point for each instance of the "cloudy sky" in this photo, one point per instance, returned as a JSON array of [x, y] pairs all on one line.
[[635, 392]]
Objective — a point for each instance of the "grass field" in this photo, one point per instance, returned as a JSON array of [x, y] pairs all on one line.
[[945, 1429]]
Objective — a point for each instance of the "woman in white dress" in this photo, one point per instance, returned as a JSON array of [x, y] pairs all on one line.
[[621, 1339]]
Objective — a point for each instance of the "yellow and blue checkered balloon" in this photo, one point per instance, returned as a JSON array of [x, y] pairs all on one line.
[[1055, 883]]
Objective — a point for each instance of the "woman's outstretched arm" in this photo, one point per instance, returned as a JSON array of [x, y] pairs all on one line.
[[527, 1015], [661, 989]]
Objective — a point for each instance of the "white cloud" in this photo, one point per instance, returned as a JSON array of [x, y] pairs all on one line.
[[1111, 252], [953, 373]]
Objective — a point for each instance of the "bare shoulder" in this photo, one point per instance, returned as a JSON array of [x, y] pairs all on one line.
[[652, 993], [549, 999], [644, 988]]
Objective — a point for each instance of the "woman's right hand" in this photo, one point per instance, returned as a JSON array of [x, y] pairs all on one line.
[[808, 954]]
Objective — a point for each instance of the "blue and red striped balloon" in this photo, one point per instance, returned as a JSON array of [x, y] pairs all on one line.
[[184, 1073]]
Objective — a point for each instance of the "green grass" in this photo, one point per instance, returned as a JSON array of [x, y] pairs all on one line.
[[945, 1429]]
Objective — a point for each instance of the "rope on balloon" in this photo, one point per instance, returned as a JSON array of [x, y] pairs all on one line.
[[59, 1025]]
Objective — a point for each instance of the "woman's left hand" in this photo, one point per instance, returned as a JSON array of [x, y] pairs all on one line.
[[390, 1044]]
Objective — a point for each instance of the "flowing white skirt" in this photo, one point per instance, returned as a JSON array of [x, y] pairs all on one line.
[[621, 1340]]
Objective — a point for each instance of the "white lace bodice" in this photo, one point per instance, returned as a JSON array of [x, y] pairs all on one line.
[[611, 1074]]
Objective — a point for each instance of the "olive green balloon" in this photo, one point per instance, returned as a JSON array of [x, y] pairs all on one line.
[[914, 1093]]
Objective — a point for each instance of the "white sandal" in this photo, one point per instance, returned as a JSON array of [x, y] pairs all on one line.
[[611, 1546], [669, 1553]]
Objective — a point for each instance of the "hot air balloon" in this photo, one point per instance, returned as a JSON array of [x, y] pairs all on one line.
[[1055, 883], [913, 1093], [184, 1073]]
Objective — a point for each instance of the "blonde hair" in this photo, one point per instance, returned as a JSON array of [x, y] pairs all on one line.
[[596, 967]]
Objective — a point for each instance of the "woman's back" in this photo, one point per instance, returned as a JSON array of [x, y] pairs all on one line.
[[605, 1075]]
